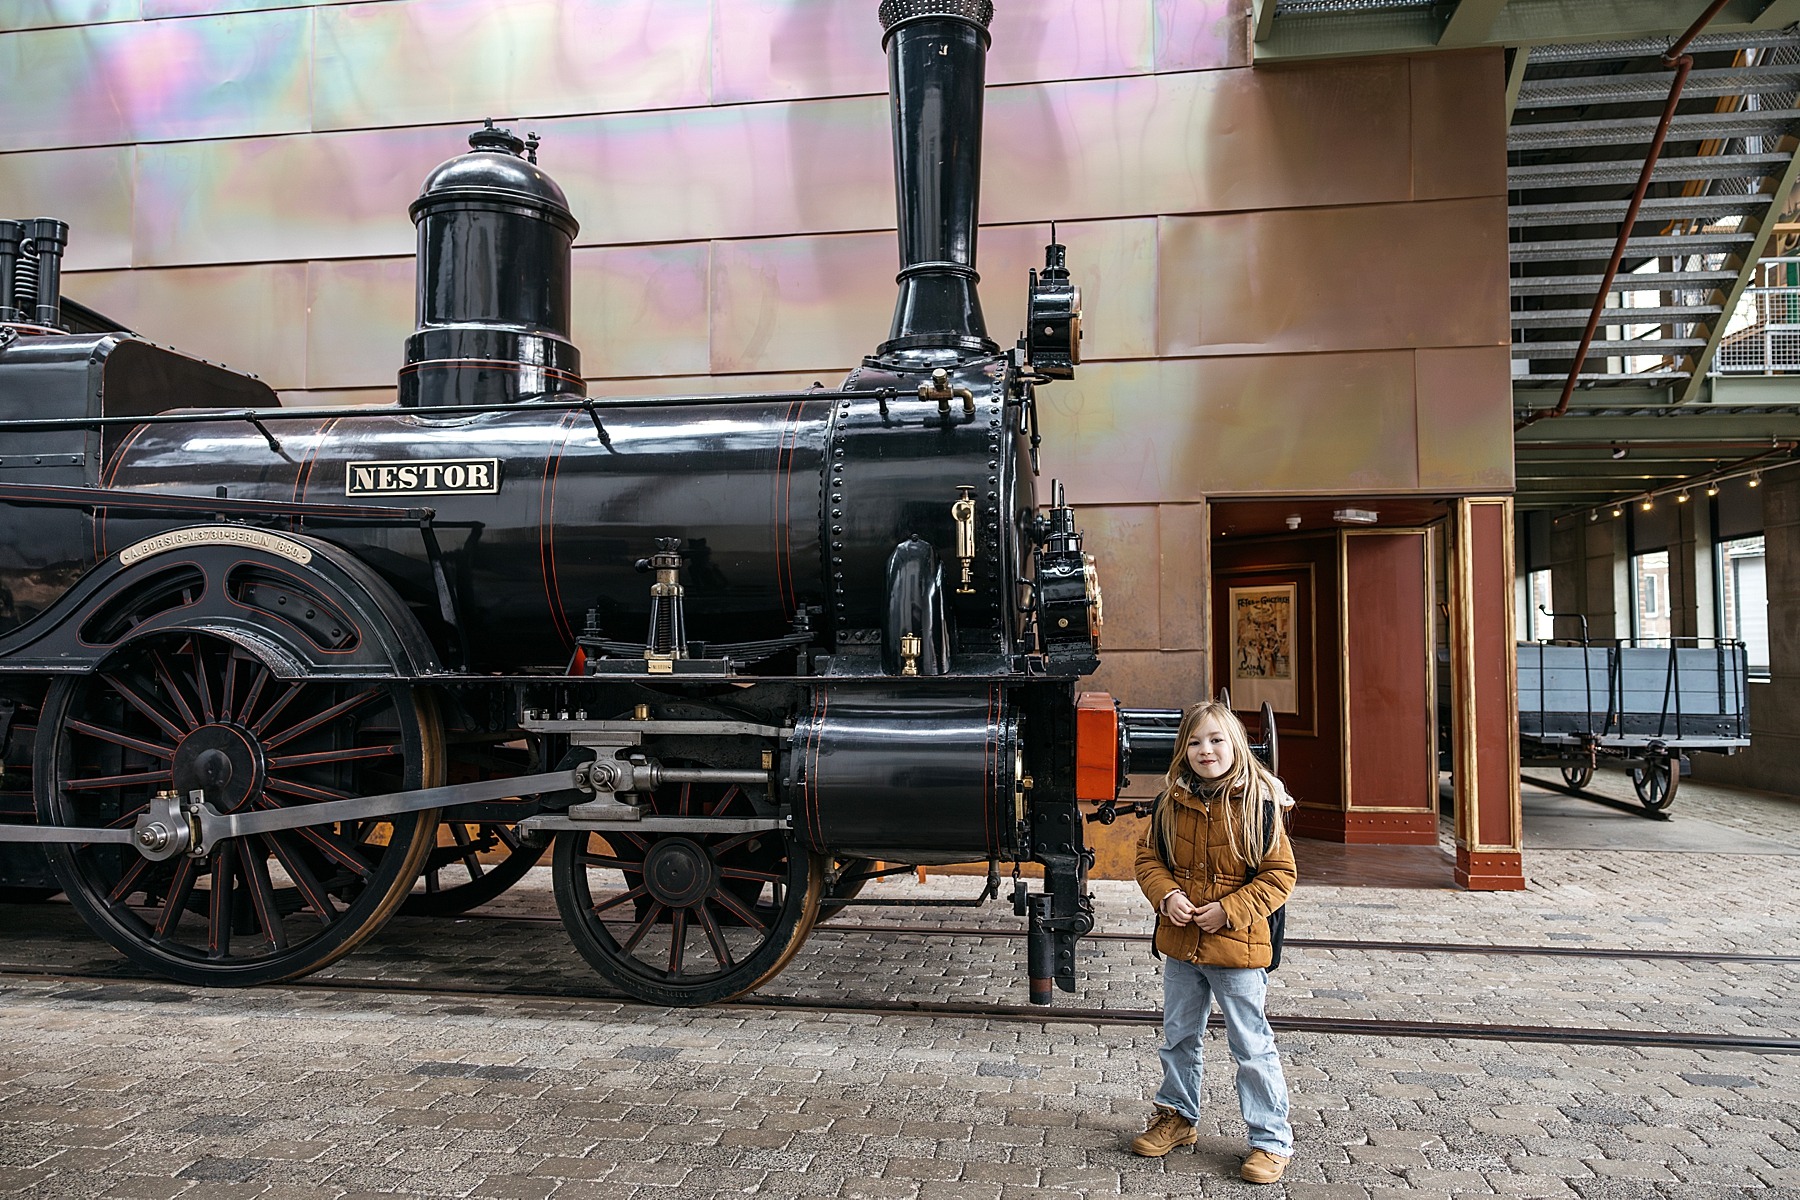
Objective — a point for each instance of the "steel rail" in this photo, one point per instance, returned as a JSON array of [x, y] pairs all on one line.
[[1029, 1014]]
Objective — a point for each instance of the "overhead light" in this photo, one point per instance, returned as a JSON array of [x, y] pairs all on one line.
[[1593, 514], [1712, 489], [1617, 511], [1683, 497], [1292, 521], [1756, 479], [1355, 516], [1649, 503], [1619, 451]]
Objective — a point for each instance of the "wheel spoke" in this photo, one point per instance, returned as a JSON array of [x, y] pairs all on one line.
[[303, 877], [243, 711], [678, 940], [331, 714], [218, 911], [716, 936], [731, 793], [770, 877], [459, 833], [643, 926], [621, 898], [129, 694], [175, 902], [335, 849], [262, 896], [170, 689], [306, 791], [606, 860], [729, 903], [350, 754], [128, 882], [154, 749], [203, 685], [124, 820], [276, 709], [118, 781]]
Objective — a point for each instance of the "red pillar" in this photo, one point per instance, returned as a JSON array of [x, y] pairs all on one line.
[[1484, 699]]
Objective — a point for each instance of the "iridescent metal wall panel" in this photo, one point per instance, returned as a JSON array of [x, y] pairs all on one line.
[[42, 14], [229, 76], [461, 60], [1133, 567], [328, 195], [796, 49], [1202, 35], [711, 385], [90, 189], [195, 8], [1185, 546], [1115, 262], [642, 310], [1364, 277], [250, 318], [1203, 141], [360, 313], [1465, 420], [1459, 124], [1185, 429]]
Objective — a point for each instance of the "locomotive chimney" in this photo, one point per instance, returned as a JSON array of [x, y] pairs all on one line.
[[12, 233], [937, 65], [48, 237]]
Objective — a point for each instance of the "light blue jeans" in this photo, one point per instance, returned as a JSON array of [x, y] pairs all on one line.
[[1188, 993]]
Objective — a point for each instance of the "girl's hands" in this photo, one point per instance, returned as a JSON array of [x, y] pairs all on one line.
[[1211, 917], [1178, 908]]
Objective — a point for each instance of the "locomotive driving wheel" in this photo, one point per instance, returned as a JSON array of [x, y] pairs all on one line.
[[688, 918], [181, 711]]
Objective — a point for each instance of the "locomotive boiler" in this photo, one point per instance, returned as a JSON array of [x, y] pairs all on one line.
[[725, 653]]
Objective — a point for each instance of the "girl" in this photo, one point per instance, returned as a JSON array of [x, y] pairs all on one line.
[[1216, 862]]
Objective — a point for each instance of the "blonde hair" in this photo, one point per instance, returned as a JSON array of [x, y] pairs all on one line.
[[1245, 787]]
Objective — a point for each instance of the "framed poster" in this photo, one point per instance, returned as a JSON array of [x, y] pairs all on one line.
[[1262, 647]]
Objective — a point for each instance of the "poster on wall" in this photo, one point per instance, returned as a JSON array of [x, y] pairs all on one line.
[[1263, 650]]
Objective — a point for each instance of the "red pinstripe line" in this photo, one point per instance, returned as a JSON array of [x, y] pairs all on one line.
[[107, 477], [303, 476]]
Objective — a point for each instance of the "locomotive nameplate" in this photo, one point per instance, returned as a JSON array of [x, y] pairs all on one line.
[[422, 477], [216, 535]]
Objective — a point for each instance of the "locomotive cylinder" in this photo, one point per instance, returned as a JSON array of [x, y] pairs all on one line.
[[937, 62], [494, 235]]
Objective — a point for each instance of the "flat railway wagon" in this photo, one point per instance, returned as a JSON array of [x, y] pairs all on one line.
[[719, 651]]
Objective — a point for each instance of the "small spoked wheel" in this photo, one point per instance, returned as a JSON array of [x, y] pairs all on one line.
[[182, 711], [1578, 776], [1656, 780], [472, 863], [689, 917]]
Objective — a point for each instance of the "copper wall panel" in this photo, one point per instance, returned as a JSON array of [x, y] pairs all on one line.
[[642, 310], [1465, 420], [1367, 277], [1186, 550], [1114, 262], [1459, 124], [1202, 35], [1149, 679], [337, 195], [1205, 141], [1393, 756], [796, 49], [229, 76], [714, 385], [91, 189], [333, 398], [788, 304], [249, 317], [462, 60], [1127, 540], [360, 313], [1183, 429], [44, 14]]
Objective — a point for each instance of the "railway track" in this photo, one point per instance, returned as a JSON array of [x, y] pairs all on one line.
[[1286, 1022]]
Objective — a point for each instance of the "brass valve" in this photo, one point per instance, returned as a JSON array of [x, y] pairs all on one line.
[[910, 649], [939, 389], [963, 513]]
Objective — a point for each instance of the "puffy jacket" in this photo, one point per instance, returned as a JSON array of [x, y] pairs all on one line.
[[1217, 874]]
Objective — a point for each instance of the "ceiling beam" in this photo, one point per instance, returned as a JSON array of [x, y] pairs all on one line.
[[1733, 427], [1777, 13], [1470, 24]]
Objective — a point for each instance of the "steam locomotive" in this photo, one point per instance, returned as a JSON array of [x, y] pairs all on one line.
[[726, 653]]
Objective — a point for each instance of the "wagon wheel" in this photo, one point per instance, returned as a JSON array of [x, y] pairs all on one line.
[[1269, 746], [1657, 779], [688, 918], [461, 872], [1578, 776], [163, 712]]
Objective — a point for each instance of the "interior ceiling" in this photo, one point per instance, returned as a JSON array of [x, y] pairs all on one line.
[[1261, 518]]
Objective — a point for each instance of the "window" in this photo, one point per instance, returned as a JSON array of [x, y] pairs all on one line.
[[1743, 600], [1538, 626], [1650, 585]]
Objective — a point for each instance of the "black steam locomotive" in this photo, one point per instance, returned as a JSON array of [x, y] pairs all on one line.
[[725, 652]]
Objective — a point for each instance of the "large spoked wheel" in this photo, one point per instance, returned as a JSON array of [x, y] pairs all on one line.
[[1656, 781], [472, 863], [688, 918], [169, 712]]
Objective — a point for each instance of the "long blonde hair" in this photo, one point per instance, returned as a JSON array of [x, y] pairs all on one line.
[[1244, 788]]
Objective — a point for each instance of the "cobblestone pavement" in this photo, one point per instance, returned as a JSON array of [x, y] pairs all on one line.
[[138, 1088]]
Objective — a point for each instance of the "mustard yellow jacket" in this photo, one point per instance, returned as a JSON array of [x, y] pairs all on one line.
[[1218, 874]]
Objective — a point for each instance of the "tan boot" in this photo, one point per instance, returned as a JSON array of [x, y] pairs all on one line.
[[1264, 1166], [1168, 1129]]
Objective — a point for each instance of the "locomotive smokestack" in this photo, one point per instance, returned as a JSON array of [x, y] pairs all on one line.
[[12, 233], [937, 66], [48, 237]]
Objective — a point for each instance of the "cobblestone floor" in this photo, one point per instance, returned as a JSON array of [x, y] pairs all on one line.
[[138, 1088]]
